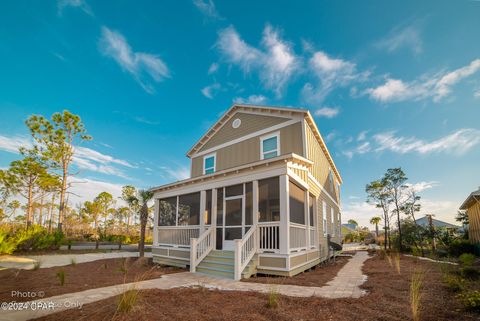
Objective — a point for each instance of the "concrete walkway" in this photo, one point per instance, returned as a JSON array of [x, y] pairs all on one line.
[[344, 285], [47, 261]]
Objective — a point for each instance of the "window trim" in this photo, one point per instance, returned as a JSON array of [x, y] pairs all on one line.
[[324, 217], [332, 220], [214, 155], [268, 136]]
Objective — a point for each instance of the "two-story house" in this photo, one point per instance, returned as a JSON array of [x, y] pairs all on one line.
[[263, 197]]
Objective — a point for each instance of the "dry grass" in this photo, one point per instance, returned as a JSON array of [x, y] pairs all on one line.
[[61, 276], [272, 301], [415, 293], [128, 300], [396, 260]]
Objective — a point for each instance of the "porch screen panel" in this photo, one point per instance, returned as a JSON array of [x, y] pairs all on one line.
[[297, 204], [167, 211], [248, 204], [208, 207], [189, 209], [269, 199], [311, 208]]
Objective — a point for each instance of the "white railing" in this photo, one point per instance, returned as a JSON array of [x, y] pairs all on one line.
[[269, 237], [245, 249], [298, 236], [200, 247], [313, 237], [177, 235]]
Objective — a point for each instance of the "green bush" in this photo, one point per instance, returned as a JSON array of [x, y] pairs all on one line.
[[471, 300], [467, 259], [469, 272], [33, 238], [454, 283], [458, 247], [7, 244]]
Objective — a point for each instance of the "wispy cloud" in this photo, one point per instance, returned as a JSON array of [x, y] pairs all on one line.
[[251, 100], [275, 63], [436, 87], [179, 172], [208, 9], [79, 4], [458, 143], [84, 158], [144, 120], [141, 66], [327, 112], [421, 186], [331, 73], [211, 90], [213, 68], [403, 37]]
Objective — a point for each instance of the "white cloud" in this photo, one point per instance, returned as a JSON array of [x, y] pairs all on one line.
[[211, 90], [331, 73], [476, 94], [421, 186], [361, 212], [362, 136], [251, 100], [84, 158], [327, 112], [362, 148], [276, 64], [84, 189], [179, 172], [140, 65], [80, 4], [207, 8], [213, 68], [435, 87], [407, 37], [458, 142]]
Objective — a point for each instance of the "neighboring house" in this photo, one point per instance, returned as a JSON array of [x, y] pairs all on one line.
[[263, 197], [472, 206], [424, 221]]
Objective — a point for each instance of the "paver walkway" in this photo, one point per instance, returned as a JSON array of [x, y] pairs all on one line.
[[47, 261], [345, 284]]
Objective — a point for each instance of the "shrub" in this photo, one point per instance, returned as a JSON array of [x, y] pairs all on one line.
[[453, 282], [7, 244], [458, 247], [471, 300], [467, 259], [469, 272], [36, 265], [415, 293], [73, 261], [61, 276]]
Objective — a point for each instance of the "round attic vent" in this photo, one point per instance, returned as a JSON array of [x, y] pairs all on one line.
[[236, 123]]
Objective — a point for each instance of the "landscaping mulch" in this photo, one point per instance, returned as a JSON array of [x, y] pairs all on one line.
[[319, 275], [78, 277], [388, 299]]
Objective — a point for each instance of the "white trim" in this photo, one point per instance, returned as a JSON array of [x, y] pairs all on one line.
[[332, 220], [324, 218], [269, 136], [251, 135], [298, 180], [304, 138], [214, 155], [314, 180]]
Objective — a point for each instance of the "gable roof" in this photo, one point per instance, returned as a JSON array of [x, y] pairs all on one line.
[[437, 223], [274, 111], [470, 199]]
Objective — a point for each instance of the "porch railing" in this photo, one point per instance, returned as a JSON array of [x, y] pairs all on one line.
[[269, 237], [313, 237], [298, 237], [177, 235], [245, 249], [200, 247]]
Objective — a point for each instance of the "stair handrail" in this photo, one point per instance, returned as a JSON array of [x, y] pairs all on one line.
[[200, 247], [245, 249]]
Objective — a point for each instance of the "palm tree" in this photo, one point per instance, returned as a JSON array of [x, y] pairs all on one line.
[[374, 221], [140, 201]]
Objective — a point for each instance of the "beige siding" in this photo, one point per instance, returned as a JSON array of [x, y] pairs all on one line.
[[303, 174], [248, 151], [275, 262], [337, 238], [250, 123], [321, 166], [474, 220]]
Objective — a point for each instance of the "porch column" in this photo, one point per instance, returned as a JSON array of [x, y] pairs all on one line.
[[203, 195], [155, 221], [214, 216], [284, 215], [307, 220]]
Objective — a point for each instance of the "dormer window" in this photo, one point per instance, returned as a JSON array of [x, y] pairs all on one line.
[[209, 164], [269, 146]]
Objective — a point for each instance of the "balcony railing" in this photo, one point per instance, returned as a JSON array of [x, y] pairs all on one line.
[[269, 237], [298, 237]]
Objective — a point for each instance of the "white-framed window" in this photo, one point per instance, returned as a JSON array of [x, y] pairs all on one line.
[[324, 214], [330, 179], [339, 224], [270, 146], [332, 217], [209, 162]]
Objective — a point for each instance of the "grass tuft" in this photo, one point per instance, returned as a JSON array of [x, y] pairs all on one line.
[[36, 265], [128, 300], [415, 293], [272, 301], [61, 276], [73, 261], [396, 260]]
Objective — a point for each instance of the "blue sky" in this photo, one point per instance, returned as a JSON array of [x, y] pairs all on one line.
[[390, 84]]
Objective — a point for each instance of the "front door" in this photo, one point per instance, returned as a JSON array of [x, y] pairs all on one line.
[[233, 221]]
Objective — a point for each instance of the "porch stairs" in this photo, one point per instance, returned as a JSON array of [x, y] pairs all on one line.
[[221, 264]]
